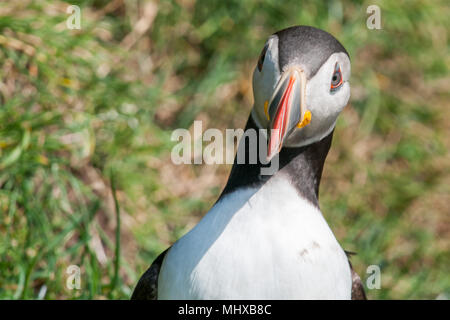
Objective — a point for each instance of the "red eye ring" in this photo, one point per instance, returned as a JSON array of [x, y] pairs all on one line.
[[336, 80]]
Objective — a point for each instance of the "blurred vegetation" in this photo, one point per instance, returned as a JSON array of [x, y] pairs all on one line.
[[81, 107]]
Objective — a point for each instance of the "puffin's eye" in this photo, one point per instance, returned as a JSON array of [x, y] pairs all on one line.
[[336, 79], [261, 57]]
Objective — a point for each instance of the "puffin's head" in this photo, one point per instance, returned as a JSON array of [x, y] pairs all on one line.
[[300, 85]]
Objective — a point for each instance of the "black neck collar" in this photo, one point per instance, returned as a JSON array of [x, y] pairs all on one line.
[[303, 166]]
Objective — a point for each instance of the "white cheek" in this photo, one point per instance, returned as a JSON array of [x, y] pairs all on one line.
[[318, 98], [264, 81], [324, 104], [342, 96]]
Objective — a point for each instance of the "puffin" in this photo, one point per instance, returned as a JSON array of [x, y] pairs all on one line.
[[266, 238]]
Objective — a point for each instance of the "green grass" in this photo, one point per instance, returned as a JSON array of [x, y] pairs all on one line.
[[83, 111]]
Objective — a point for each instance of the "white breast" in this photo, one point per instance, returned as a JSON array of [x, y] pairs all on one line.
[[266, 243]]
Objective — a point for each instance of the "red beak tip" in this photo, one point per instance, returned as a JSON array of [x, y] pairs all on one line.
[[272, 151]]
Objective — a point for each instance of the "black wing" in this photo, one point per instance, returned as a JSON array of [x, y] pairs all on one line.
[[147, 287], [358, 292]]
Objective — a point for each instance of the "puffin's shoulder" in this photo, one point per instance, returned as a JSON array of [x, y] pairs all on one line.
[[147, 287], [358, 292]]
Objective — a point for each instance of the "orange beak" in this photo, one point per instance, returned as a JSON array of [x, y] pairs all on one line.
[[286, 109]]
